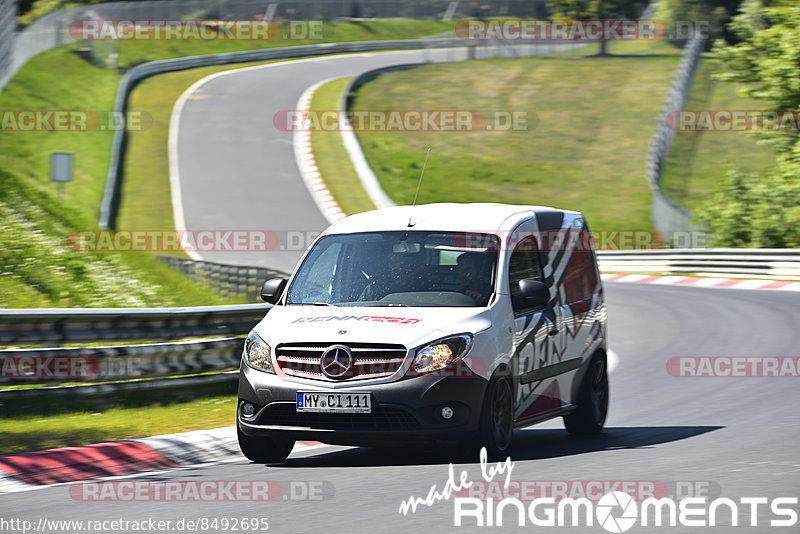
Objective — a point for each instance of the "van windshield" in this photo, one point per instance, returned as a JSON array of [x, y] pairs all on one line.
[[414, 268]]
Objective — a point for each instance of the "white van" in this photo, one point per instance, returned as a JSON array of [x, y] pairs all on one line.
[[434, 323]]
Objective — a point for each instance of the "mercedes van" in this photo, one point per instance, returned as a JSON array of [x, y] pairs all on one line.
[[429, 324]]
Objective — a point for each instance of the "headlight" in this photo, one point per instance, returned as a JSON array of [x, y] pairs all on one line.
[[257, 353], [441, 353]]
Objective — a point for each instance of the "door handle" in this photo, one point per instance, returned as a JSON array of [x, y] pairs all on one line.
[[553, 332]]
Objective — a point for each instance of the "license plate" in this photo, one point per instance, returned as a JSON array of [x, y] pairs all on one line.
[[314, 401]]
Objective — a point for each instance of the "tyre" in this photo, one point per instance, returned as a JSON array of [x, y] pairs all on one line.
[[264, 450], [497, 419], [590, 415]]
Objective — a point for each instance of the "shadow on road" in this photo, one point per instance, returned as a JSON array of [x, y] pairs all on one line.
[[528, 445]]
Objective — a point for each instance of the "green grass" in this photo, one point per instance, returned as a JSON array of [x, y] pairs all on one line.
[[135, 52], [591, 122], [331, 156], [146, 197], [60, 80], [146, 201], [38, 267], [31, 433], [697, 161]]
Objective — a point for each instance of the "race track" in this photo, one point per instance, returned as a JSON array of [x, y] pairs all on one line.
[[738, 434], [238, 172]]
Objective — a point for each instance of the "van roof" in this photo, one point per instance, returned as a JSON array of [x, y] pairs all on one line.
[[477, 217]]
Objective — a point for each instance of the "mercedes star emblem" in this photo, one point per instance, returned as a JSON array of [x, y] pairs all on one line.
[[336, 362]]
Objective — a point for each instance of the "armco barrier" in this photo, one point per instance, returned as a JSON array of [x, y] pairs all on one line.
[[111, 194], [52, 29], [756, 263], [669, 216], [230, 280], [221, 356], [91, 325], [49, 399], [119, 362]]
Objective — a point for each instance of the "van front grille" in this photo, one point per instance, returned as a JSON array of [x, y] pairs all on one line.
[[370, 360]]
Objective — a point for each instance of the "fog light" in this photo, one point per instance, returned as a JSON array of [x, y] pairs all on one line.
[[248, 409], [447, 412]]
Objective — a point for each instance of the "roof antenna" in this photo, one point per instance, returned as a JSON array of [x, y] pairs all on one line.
[[419, 183]]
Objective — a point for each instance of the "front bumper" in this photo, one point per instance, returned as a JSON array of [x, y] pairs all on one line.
[[404, 411]]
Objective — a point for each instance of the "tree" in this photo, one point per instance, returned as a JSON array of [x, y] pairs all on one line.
[[597, 9], [762, 210], [754, 211], [716, 14]]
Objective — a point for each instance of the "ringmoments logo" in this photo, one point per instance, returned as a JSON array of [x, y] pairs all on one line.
[[615, 511]]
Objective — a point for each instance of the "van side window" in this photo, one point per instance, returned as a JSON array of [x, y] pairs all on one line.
[[523, 265], [580, 279]]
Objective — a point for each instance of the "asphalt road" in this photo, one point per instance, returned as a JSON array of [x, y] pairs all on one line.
[[735, 436], [237, 170]]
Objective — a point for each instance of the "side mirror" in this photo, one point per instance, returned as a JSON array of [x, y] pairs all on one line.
[[534, 292], [272, 290]]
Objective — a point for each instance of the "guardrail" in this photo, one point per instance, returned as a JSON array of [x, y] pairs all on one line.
[[60, 326], [111, 193], [121, 362], [53, 29], [142, 367], [668, 215], [154, 361], [756, 263], [230, 280]]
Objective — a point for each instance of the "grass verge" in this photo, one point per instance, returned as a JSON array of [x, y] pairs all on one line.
[[589, 126], [697, 161], [332, 157], [135, 52], [146, 196], [31, 433], [39, 268]]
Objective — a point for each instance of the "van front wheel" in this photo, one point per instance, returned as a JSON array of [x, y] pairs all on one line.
[[590, 415], [497, 419], [263, 450]]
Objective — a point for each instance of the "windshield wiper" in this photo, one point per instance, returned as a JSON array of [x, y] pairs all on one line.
[[321, 304]]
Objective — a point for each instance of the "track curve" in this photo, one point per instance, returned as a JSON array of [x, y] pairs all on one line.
[[237, 171], [738, 434]]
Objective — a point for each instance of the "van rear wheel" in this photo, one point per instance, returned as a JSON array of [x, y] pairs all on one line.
[[263, 450], [590, 415]]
